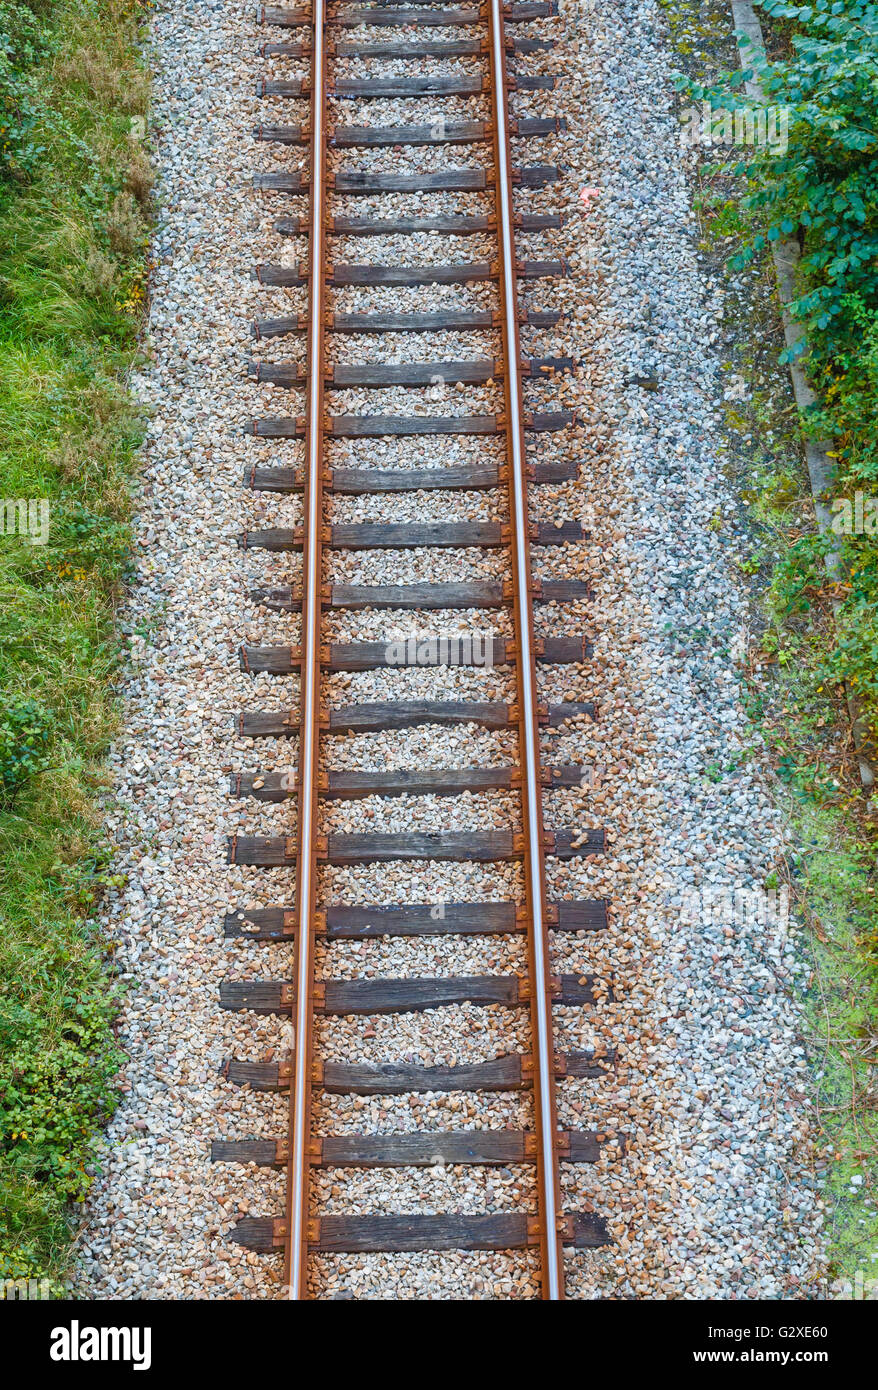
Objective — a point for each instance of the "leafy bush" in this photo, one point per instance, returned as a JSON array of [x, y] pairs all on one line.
[[50, 1101], [25, 729], [823, 189], [54, 1092], [23, 39]]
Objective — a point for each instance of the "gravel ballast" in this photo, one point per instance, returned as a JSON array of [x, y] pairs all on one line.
[[704, 1176]]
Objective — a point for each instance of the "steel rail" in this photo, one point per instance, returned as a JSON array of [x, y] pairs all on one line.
[[298, 1172], [551, 1257]]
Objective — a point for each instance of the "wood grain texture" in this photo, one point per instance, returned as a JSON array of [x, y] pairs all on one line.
[[261, 851], [286, 16], [257, 996], [474, 593], [359, 181], [453, 320], [489, 1147], [341, 785], [448, 180], [582, 916], [449, 133], [367, 656], [296, 17], [287, 181], [424, 48], [408, 17], [282, 87], [392, 996], [589, 1231], [403, 714], [534, 82], [277, 851], [399, 996], [535, 175], [360, 1234], [375, 426], [407, 714], [263, 1152], [256, 1233], [398, 1078], [485, 846], [423, 919], [453, 224], [408, 535], [463, 274], [285, 276], [352, 1234], [363, 481], [414, 919], [391, 1079], [414, 374], [586, 1066], [260, 1076], [411, 535], [568, 844]]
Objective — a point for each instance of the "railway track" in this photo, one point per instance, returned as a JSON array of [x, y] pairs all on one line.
[[319, 44]]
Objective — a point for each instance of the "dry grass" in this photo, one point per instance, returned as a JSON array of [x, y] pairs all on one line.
[[108, 74]]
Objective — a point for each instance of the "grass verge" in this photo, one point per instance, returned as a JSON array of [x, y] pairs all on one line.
[[74, 198], [802, 650]]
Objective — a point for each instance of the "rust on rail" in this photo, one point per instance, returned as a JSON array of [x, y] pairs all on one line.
[[298, 1172], [536, 897]]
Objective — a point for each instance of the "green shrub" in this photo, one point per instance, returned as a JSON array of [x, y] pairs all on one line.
[[23, 40], [25, 729], [51, 1100], [823, 189]]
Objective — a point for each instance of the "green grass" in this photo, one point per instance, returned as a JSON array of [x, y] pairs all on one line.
[[805, 721], [793, 684], [74, 188], [842, 1012]]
